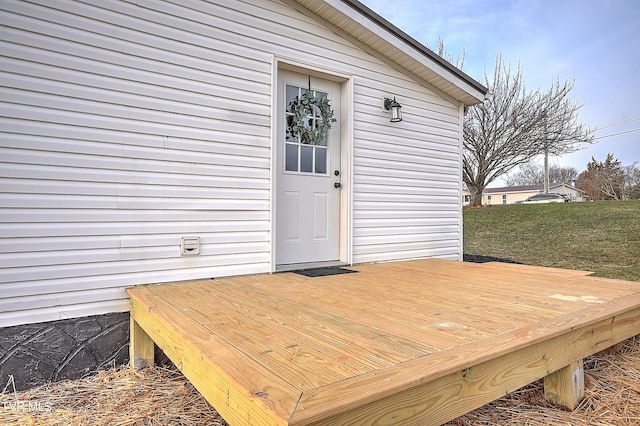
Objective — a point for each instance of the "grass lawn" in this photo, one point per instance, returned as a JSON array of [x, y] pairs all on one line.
[[603, 237]]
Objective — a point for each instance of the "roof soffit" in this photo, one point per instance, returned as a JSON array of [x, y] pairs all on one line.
[[367, 27]]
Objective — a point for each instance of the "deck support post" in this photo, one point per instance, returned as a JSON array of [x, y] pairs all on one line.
[[141, 346], [566, 386]]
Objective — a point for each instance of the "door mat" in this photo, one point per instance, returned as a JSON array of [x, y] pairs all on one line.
[[324, 272]]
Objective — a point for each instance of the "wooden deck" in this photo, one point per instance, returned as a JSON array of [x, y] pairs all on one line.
[[404, 343]]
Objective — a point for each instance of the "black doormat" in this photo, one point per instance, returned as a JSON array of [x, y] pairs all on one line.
[[324, 272]]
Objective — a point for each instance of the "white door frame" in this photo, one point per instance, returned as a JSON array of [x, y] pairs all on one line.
[[346, 151]]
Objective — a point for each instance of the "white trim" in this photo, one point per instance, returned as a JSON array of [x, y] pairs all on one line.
[[461, 193], [57, 312], [274, 137], [296, 65], [347, 145]]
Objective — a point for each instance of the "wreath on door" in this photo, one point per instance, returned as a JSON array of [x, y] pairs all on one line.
[[311, 134]]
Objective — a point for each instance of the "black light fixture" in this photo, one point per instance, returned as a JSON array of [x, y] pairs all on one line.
[[393, 106]]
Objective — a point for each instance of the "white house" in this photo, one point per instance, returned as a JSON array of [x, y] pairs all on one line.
[[151, 141]]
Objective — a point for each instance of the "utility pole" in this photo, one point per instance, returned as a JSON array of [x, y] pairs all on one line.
[[546, 169], [546, 155]]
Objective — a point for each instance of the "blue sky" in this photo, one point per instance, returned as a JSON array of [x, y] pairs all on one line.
[[595, 42]]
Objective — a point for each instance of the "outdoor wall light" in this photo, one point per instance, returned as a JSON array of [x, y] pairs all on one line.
[[393, 106]]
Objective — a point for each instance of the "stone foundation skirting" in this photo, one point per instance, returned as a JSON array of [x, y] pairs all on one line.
[[35, 354]]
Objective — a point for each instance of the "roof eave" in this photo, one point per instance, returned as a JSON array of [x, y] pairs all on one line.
[[371, 29]]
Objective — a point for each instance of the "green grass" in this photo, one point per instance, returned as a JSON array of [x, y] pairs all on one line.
[[603, 237]]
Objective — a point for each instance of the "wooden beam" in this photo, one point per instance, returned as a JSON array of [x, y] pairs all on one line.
[[141, 346], [566, 386]]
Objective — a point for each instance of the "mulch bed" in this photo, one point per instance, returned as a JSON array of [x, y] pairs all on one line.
[[162, 396]]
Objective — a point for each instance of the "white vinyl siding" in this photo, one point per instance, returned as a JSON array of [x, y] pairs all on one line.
[[406, 176], [125, 127]]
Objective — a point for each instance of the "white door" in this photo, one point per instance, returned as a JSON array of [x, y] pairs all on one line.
[[308, 176]]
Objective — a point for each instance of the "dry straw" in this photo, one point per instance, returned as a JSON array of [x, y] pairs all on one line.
[[153, 396], [162, 396]]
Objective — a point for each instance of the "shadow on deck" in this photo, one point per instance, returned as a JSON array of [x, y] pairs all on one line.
[[417, 342]]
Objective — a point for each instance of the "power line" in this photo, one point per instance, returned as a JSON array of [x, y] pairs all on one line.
[[619, 133], [611, 94], [619, 123], [608, 82]]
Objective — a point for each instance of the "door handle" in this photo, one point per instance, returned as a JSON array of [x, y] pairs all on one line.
[[337, 185]]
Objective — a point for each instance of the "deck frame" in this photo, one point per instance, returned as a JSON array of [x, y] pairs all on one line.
[[446, 396], [432, 388]]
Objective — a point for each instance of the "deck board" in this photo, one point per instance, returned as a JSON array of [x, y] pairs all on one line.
[[277, 344], [416, 342]]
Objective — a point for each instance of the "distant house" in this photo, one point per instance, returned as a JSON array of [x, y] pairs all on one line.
[[153, 142], [513, 194]]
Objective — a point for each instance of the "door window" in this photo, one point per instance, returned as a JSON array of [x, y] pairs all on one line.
[[301, 155]]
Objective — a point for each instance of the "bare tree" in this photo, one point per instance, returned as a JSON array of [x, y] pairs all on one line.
[[512, 126], [528, 174], [559, 174], [457, 61], [631, 185], [533, 174]]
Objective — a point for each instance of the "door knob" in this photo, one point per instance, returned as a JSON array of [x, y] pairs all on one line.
[[337, 185]]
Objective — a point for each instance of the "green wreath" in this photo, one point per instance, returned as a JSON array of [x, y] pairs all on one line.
[[311, 135]]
